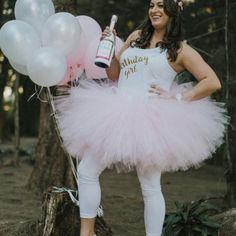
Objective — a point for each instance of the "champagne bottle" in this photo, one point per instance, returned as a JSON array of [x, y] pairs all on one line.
[[106, 47]]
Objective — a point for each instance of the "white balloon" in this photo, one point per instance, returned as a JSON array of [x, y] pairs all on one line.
[[34, 12], [47, 67], [18, 41], [19, 68], [62, 31]]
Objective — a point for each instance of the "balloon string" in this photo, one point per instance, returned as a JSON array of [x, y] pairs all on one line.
[[55, 119], [74, 195], [73, 73], [54, 114], [37, 93]]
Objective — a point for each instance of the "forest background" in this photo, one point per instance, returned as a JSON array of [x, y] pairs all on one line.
[[209, 28]]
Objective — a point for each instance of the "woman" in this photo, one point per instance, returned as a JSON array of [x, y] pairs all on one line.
[[145, 121]]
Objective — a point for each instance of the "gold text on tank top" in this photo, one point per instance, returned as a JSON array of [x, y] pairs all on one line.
[[130, 64]]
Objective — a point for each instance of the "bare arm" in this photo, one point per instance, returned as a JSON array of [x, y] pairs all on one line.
[[114, 70], [208, 81]]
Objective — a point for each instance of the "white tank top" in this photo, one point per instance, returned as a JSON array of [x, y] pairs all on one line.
[[142, 67]]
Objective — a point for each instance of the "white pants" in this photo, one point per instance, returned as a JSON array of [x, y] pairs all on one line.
[[90, 194]]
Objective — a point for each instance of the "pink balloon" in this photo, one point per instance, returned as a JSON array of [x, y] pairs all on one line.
[[72, 73], [77, 56], [92, 71], [89, 26], [119, 44], [90, 29], [75, 60]]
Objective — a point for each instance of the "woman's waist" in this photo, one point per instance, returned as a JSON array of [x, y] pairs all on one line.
[[141, 87]]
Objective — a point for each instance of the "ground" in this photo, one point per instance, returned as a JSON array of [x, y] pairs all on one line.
[[122, 200]]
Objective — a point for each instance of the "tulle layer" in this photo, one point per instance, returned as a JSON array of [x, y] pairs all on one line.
[[137, 130]]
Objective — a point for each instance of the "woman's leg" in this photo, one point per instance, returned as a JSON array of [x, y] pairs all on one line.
[[89, 193], [154, 203]]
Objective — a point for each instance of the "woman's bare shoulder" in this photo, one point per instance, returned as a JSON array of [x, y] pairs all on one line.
[[189, 59], [185, 53], [186, 50]]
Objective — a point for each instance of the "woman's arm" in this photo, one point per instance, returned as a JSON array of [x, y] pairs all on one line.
[[190, 60], [113, 71]]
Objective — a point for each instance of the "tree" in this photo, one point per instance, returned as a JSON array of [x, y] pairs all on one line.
[[213, 37], [205, 27], [2, 113], [28, 111], [51, 165], [52, 168], [3, 81], [230, 152]]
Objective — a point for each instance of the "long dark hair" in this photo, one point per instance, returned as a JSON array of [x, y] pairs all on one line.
[[174, 33]]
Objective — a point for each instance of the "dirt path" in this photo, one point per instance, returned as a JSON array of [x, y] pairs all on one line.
[[122, 200]]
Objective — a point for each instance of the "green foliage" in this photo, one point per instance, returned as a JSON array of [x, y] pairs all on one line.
[[192, 219], [130, 13]]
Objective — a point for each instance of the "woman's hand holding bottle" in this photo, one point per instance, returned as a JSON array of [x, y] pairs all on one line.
[[106, 46]]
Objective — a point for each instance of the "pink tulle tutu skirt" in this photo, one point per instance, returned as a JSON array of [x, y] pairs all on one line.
[[119, 127]]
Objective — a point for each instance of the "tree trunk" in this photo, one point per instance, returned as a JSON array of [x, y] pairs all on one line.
[[61, 217], [29, 109], [3, 80], [66, 5], [17, 120], [228, 220], [51, 163], [2, 120], [2, 86], [52, 168], [230, 153]]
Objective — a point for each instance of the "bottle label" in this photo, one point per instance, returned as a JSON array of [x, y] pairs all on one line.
[[105, 49]]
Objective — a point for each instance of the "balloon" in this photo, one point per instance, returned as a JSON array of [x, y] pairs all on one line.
[[61, 31], [72, 73], [19, 68], [77, 56], [79, 72], [18, 41], [75, 61], [89, 29], [93, 71], [34, 12], [119, 44], [47, 66], [89, 26]]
